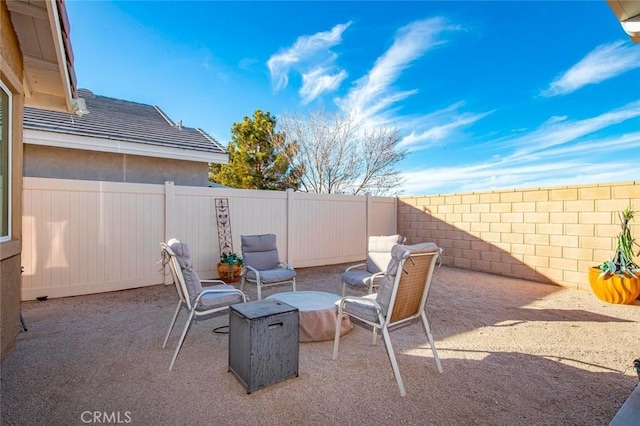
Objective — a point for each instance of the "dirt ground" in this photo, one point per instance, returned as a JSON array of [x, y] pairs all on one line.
[[513, 352]]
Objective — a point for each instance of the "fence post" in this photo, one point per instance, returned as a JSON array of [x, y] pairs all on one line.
[[169, 221], [395, 213], [289, 235], [369, 213]]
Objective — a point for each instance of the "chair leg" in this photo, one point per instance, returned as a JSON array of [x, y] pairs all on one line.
[[184, 334], [173, 322], [259, 287], [242, 283], [336, 339], [392, 358], [344, 289], [294, 284], [430, 339]]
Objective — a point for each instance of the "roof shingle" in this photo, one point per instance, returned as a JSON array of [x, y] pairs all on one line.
[[121, 120]]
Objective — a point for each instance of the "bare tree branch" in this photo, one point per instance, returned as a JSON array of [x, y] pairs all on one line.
[[336, 154]]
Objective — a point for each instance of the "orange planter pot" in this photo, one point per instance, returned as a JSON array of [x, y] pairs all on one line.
[[229, 273], [614, 288]]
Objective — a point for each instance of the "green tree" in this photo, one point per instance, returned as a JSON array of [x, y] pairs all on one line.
[[259, 157]]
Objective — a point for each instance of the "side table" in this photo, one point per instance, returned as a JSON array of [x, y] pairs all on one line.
[[263, 342]]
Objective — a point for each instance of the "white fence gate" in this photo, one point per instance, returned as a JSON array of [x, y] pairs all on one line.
[[82, 237]]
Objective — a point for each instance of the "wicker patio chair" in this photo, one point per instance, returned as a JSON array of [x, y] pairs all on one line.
[[401, 297]]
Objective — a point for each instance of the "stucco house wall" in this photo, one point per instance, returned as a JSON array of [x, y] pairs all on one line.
[[11, 73], [64, 163], [36, 70]]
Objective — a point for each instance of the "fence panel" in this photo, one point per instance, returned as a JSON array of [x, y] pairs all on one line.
[[82, 237], [327, 229]]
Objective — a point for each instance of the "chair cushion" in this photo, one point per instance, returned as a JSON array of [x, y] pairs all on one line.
[[271, 276], [356, 277], [379, 251], [260, 251], [398, 254], [215, 300], [423, 248], [191, 278], [361, 309]]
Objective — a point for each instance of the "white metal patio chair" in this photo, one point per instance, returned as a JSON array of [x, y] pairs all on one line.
[[401, 297], [369, 273], [198, 301], [262, 265]]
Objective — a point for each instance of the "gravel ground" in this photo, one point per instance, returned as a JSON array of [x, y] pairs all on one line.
[[513, 352]]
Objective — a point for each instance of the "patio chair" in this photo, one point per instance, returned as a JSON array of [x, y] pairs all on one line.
[[198, 301], [369, 273], [401, 297], [261, 264]]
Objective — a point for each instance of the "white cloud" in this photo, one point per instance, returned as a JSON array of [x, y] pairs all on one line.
[[556, 131], [306, 53], [319, 80], [372, 94], [554, 153], [434, 133], [604, 62]]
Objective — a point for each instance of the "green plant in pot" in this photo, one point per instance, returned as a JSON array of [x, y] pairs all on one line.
[[230, 267], [618, 280]]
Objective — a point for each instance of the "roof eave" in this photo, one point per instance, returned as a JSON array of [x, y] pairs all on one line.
[[52, 13], [628, 13], [87, 143]]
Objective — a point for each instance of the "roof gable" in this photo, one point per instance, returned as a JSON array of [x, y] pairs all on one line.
[[120, 120]]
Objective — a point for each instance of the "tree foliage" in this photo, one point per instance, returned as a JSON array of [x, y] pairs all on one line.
[[259, 157], [336, 154]]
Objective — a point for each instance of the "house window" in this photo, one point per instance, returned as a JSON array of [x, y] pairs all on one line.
[[5, 163]]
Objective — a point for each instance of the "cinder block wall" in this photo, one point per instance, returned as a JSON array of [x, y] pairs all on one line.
[[550, 235]]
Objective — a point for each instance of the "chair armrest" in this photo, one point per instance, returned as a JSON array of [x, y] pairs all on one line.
[[219, 290], [212, 281], [372, 280], [365, 300], [377, 275], [285, 265], [251, 268], [359, 265]]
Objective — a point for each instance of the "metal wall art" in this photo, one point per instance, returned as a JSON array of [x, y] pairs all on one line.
[[224, 226]]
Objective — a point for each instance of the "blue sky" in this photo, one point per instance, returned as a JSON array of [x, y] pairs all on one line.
[[486, 95]]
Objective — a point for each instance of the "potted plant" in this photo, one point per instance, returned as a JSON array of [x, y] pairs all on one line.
[[617, 280], [230, 267]]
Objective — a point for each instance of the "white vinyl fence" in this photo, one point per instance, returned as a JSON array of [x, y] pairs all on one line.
[[83, 237]]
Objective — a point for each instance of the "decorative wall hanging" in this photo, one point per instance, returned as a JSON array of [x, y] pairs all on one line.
[[224, 226]]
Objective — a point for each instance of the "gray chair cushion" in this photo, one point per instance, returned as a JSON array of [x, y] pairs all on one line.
[[398, 254], [260, 251], [191, 278], [361, 309], [356, 277], [270, 276], [214, 300]]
